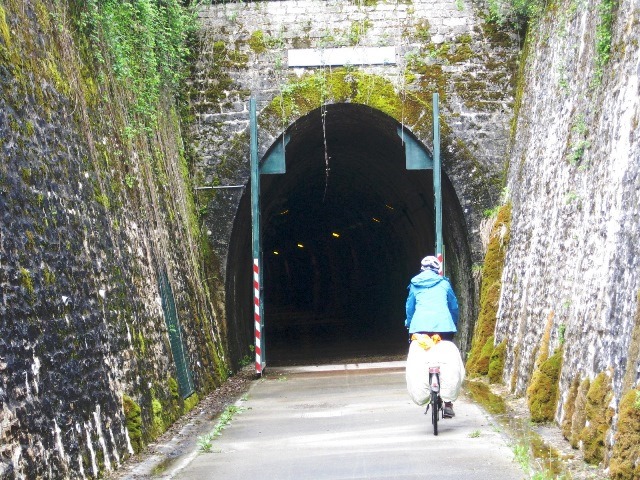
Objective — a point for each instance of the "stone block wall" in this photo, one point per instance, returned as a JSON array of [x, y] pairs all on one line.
[[573, 263], [443, 46], [90, 216]]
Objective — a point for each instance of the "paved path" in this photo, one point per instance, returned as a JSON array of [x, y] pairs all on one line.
[[348, 424]]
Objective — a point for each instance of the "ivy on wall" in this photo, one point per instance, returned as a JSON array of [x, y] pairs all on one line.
[[517, 13], [145, 44]]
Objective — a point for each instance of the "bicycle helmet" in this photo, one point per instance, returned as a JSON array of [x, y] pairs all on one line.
[[430, 263]]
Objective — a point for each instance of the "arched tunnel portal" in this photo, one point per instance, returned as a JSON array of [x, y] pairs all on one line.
[[343, 231]]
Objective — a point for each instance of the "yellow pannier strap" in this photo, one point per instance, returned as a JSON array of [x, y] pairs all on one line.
[[425, 341]]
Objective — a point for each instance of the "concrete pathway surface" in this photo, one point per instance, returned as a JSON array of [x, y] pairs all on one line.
[[348, 423]]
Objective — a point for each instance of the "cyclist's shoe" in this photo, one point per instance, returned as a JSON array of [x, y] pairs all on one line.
[[448, 410]]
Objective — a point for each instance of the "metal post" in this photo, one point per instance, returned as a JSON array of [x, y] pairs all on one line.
[[255, 234], [437, 187]]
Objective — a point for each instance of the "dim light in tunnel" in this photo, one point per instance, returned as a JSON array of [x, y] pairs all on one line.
[[300, 245], [335, 234], [375, 219], [276, 252]]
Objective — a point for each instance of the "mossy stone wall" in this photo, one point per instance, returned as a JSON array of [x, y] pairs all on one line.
[[625, 461], [483, 339], [573, 183], [92, 208], [442, 46]]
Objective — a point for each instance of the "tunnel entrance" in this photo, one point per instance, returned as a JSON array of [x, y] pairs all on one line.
[[343, 232]]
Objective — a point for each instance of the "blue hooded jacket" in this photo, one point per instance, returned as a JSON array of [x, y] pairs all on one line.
[[431, 305]]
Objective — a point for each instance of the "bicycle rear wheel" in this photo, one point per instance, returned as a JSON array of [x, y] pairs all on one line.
[[435, 411]]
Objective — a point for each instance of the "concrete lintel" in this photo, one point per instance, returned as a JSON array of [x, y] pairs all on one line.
[[314, 57]]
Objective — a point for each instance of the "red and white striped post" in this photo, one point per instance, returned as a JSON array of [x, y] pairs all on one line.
[[255, 234], [256, 314]]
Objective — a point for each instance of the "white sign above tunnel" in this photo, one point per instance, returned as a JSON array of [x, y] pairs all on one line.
[[314, 57]]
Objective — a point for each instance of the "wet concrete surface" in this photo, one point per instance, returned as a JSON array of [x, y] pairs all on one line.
[[349, 421]]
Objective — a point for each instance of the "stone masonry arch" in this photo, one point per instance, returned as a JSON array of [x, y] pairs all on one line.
[[233, 66], [364, 224]]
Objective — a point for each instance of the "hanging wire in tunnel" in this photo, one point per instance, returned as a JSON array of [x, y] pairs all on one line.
[[323, 114]]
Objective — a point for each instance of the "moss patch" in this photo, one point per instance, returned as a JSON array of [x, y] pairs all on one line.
[[543, 352], [598, 415], [482, 363], [633, 353], [625, 458], [542, 394], [27, 281], [133, 419], [4, 28], [579, 417], [496, 362], [219, 84], [569, 408], [311, 91], [157, 421], [490, 291], [257, 42], [481, 393], [191, 402]]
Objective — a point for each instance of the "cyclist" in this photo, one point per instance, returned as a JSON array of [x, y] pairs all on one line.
[[432, 307]]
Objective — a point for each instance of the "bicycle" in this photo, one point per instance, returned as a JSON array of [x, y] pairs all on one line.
[[435, 403]]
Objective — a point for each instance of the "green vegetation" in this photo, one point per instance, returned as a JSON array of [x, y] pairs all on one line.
[[423, 31], [496, 362], [27, 281], [191, 402], [515, 13], [625, 457], [4, 27], [248, 358], [157, 422], [633, 352], [205, 441], [313, 90], [146, 46], [257, 42], [542, 394], [482, 394], [528, 451], [358, 30], [112, 72], [579, 417], [484, 359], [579, 143], [569, 408], [479, 356], [48, 276], [604, 32], [598, 415], [562, 328], [133, 418]]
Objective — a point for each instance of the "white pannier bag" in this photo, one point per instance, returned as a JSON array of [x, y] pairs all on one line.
[[445, 355]]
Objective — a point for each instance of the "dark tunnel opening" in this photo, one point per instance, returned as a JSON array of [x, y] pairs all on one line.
[[343, 231]]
